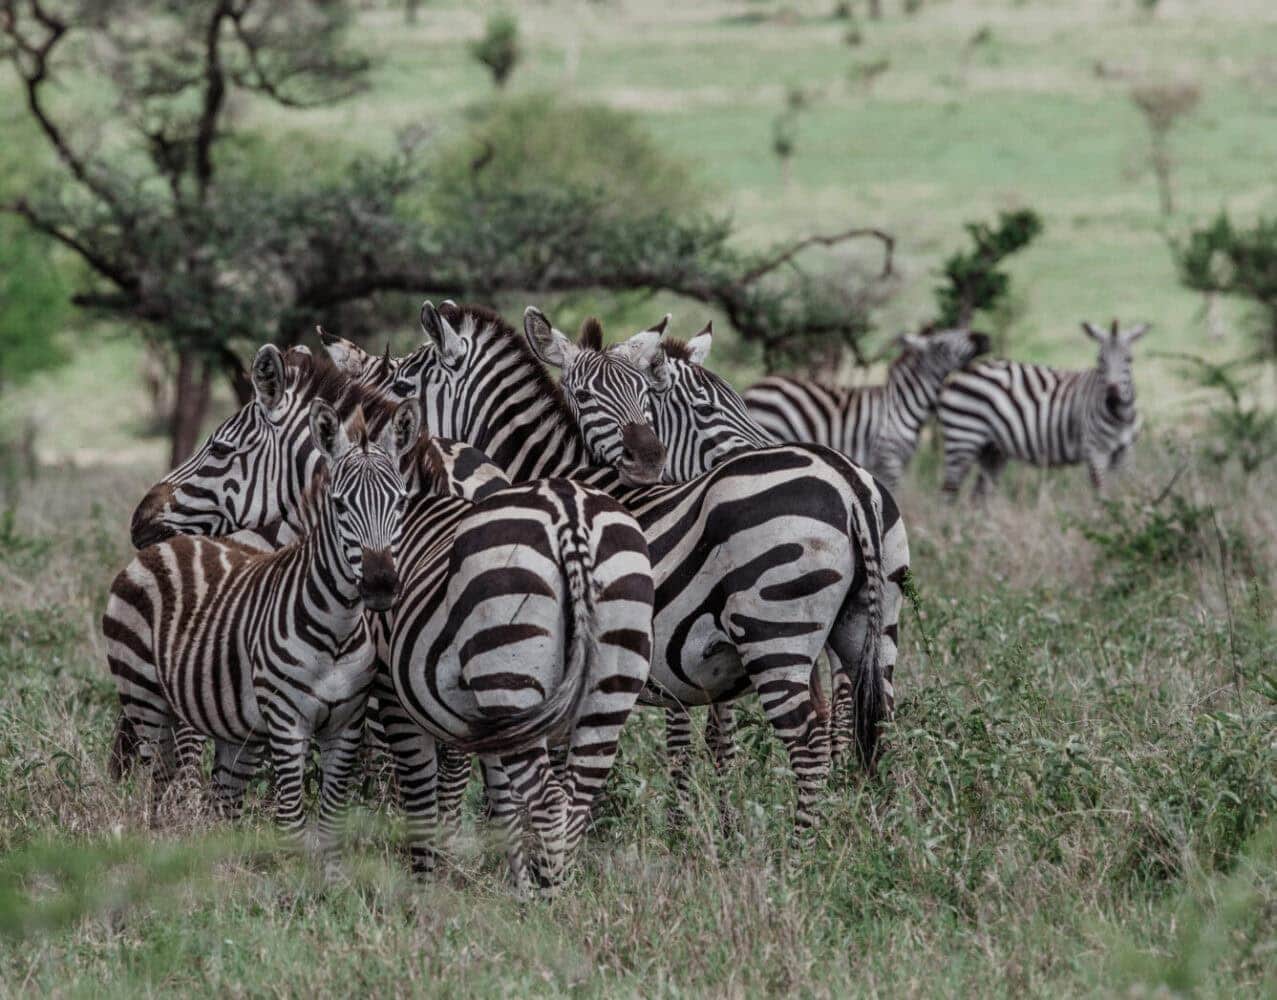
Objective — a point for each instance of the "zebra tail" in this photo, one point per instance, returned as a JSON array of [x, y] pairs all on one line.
[[125, 749], [870, 684], [555, 716]]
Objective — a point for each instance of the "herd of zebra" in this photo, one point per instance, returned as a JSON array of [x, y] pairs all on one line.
[[453, 554]]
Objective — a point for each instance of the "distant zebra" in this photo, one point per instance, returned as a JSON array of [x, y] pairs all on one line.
[[754, 563], [876, 426], [997, 410], [525, 616], [268, 651], [703, 421]]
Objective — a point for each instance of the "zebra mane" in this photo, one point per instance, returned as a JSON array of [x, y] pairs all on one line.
[[675, 349], [316, 376], [495, 335]]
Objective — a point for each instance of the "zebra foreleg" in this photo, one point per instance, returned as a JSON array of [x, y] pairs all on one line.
[[720, 736], [992, 462], [678, 750], [338, 760], [234, 765], [289, 748]]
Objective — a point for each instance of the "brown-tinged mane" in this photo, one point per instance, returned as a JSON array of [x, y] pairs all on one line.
[[676, 350], [316, 376], [590, 336], [488, 322]]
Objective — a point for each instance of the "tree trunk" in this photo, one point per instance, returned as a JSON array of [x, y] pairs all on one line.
[[190, 404]]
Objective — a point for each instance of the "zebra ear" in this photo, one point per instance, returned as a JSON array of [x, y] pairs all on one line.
[[349, 357], [550, 345], [646, 353], [441, 332], [325, 427], [1134, 333], [268, 377], [401, 433], [913, 342], [698, 347], [1094, 332]]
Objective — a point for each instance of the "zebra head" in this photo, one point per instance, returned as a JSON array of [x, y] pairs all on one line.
[[698, 416], [606, 391], [356, 363], [364, 495], [255, 467], [1114, 366], [940, 352]]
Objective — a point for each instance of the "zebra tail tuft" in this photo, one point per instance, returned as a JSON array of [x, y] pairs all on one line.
[[555, 716], [870, 684], [125, 749]]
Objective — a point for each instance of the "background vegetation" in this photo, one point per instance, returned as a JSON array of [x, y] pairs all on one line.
[[1080, 792]]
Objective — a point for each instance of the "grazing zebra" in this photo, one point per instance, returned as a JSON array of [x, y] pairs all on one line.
[[755, 565], [876, 426], [525, 617], [704, 421], [267, 652], [997, 410]]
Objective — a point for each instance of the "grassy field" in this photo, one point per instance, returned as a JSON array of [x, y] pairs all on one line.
[[1079, 795], [1081, 789]]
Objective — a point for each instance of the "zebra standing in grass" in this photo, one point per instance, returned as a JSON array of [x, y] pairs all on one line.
[[755, 564], [997, 410], [876, 426], [703, 421], [269, 651], [525, 617]]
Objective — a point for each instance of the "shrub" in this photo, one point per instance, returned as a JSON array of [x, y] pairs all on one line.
[[499, 49]]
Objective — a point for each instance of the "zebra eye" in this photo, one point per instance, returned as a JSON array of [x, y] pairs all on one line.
[[339, 505], [219, 450], [582, 395]]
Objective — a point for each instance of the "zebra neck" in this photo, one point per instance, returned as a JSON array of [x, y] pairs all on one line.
[[331, 589], [912, 392]]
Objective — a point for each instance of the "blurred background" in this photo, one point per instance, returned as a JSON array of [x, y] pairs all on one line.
[[184, 182]]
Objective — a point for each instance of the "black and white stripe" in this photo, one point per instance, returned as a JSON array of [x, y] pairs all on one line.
[[553, 642], [268, 652], [753, 564], [1000, 410], [875, 426]]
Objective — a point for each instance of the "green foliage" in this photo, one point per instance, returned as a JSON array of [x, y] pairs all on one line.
[[499, 49], [1142, 541], [540, 143], [1221, 257], [973, 280], [1246, 432], [33, 305]]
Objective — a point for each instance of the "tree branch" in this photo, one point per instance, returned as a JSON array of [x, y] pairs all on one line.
[[214, 99], [122, 278], [788, 254]]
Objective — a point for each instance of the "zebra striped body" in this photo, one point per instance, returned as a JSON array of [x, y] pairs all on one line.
[[752, 563], [524, 618], [266, 651], [875, 426], [1000, 410]]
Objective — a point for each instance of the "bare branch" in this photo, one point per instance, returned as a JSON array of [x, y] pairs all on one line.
[[788, 254], [108, 269]]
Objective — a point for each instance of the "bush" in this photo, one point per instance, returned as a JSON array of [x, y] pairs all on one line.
[[498, 49]]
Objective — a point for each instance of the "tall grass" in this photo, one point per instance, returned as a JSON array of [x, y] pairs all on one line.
[[1078, 796]]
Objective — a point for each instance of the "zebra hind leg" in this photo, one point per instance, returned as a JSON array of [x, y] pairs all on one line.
[[992, 462], [507, 815], [234, 765], [535, 783], [454, 776], [678, 750], [720, 737]]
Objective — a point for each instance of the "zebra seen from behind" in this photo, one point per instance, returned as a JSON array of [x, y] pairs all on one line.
[[269, 652], [752, 563], [525, 616], [703, 421], [999, 410], [875, 426]]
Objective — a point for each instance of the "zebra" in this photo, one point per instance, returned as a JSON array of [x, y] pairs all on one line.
[[525, 617], [875, 426], [269, 652], [703, 421], [998, 410], [754, 563]]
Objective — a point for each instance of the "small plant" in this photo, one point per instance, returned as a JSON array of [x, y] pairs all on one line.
[[1163, 105], [1221, 258], [499, 48], [866, 72], [785, 130], [1244, 432], [973, 281], [1143, 541]]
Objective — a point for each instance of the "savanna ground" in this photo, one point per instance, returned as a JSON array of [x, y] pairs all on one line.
[[1080, 790]]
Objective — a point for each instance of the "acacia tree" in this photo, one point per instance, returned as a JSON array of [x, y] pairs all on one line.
[[186, 241]]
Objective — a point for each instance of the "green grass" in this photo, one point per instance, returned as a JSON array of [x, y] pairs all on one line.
[[1079, 797]]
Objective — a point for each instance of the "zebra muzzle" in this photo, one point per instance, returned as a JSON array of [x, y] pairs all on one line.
[[642, 455], [379, 584]]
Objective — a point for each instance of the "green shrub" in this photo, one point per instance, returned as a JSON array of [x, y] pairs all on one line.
[[499, 49]]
